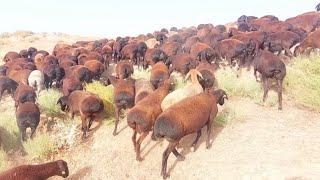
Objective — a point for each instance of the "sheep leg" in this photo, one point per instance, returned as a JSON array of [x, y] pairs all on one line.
[[138, 144], [23, 133], [117, 112], [178, 155], [279, 94], [209, 129], [134, 138], [194, 144], [1, 92], [33, 130], [165, 157], [84, 126], [265, 82]]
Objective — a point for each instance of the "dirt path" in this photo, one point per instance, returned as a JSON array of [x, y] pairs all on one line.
[[263, 144]]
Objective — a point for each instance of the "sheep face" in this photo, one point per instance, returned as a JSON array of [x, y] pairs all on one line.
[[63, 101], [220, 96], [64, 170]]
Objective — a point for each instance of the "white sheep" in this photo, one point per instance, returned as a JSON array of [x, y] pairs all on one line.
[[36, 80], [189, 90]]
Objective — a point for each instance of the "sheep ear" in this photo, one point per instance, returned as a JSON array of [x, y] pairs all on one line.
[[113, 80], [199, 74]]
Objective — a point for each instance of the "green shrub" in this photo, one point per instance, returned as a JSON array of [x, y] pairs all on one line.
[[40, 147], [105, 93], [9, 132], [303, 80], [48, 103]]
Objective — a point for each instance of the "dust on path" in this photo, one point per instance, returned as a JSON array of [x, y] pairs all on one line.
[[262, 144]]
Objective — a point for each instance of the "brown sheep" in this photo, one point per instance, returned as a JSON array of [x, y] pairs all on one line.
[[10, 56], [208, 79], [270, 67], [187, 117], [86, 104], [282, 40], [80, 72], [171, 48], [159, 73], [307, 21], [24, 93], [311, 42], [70, 84], [124, 94], [96, 68], [182, 63], [20, 75], [28, 116], [153, 56], [39, 171], [124, 69], [189, 42], [142, 116]]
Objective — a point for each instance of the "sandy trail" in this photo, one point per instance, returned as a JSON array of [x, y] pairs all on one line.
[[262, 144]]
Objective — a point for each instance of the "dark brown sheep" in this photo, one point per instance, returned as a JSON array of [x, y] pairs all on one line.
[[124, 69], [28, 116], [53, 73], [80, 72], [186, 117], [142, 116], [70, 84], [159, 73], [86, 104], [124, 94], [182, 63], [39, 171], [171, 48], [207, 71], [96, 68], [7, 84], [282, 40], [189, 42], [153, 56], [24, 93], [10, 56], [270, 67]]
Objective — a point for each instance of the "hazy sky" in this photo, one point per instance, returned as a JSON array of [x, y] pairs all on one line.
[[132, 17]]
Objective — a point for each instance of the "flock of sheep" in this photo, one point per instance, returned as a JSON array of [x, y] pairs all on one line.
[[194, 52]]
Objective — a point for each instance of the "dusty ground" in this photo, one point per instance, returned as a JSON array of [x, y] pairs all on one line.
[[262, 144]]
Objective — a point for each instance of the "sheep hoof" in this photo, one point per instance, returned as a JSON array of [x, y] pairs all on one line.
[[166, 175], [208, 146], [280, 108], [114, 133], [139, 159], [193, 148]]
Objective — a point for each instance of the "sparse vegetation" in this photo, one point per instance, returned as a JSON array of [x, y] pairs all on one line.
[[303, 80], [230, 112], [2, 159], [40, 147], [9, 131], [244, 86], [48, 103], [105, 93]]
